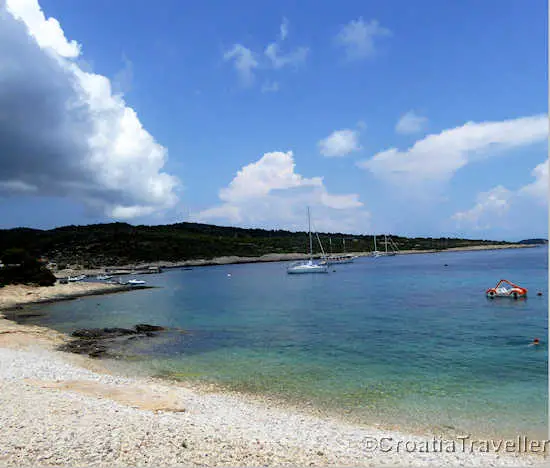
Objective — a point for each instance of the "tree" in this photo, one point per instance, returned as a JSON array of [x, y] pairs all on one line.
[[20, 267]]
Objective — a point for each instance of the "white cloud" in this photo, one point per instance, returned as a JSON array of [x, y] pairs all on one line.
[[46, 31], [248, 63], [243, 61], [270, 193], [490, 206], [279, 60], [358, 38], [274, 171], [67, 134], [270, 87], [283, 30], [410, 122], [340, 143], [538, 189], [437, 157], [494, 207]]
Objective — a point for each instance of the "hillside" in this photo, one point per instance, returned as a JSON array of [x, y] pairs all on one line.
[[120, 243], [537, 241]]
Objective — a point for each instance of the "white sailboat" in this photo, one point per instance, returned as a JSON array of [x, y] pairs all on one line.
[[376, 253], [338, 259], [308, 266], [386, 253]]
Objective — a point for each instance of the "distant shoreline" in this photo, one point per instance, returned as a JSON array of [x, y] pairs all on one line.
[[141, 268]]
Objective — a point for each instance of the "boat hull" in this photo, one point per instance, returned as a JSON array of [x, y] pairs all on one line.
[[338, 261], [300, 271], [307, 268]]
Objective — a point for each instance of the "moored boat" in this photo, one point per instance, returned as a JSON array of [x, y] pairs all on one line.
[[135, 282], [72, 279], [309, 266]]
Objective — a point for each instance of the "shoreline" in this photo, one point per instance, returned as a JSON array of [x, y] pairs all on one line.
[[16, 296], [83, 414], [141, 268]]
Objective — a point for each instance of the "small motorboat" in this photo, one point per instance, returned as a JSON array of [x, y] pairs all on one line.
[[72, 279], [103, 277], [505, 288], [135, 282]]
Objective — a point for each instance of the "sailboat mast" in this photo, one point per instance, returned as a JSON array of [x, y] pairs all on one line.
[[386, 242], [344, 241], [310, 239], [330, 244], [375, 242]]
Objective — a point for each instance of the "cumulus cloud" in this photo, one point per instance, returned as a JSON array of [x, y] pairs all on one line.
[[63, 132], [494, 206], [46, 31], [247, 62], [340, 143], [437, 157], [243, 61], [270, 193], [410, 123], [491, 205], [358, 38], [538, 190]]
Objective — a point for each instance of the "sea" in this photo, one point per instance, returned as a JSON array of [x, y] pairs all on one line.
[[408, 342]]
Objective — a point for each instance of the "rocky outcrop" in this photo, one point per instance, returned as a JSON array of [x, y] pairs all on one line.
[[96, 342]]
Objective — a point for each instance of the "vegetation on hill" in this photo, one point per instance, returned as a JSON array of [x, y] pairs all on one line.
[[534, 241], [19, 267], [120, 243]]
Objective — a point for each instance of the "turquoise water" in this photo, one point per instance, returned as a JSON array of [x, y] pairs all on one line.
[[402, 341]]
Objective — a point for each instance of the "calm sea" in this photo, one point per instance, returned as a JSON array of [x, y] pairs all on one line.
[[401, 341]]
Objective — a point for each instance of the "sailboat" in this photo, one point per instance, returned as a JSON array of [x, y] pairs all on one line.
[[308, 266], [376, 253], [394, 249], [386, 253], [337, 259]]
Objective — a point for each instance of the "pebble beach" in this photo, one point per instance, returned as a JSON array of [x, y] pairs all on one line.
[[65, 410]]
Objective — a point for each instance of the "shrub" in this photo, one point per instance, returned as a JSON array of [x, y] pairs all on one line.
[[25, 269]]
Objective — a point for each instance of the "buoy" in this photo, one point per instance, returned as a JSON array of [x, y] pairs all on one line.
[[539, 294], [446, 264], [229, 274]]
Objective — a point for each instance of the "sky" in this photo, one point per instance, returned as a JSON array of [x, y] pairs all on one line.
[[422, 118]]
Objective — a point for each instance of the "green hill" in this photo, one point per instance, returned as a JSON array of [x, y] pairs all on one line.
[[121, 243]]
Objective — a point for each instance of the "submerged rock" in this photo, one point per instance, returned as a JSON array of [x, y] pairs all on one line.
[[144, 328], [97, 333], [96, 342], [90, 347]]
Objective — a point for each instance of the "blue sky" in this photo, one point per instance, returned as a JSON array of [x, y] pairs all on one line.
[[309, 118]]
